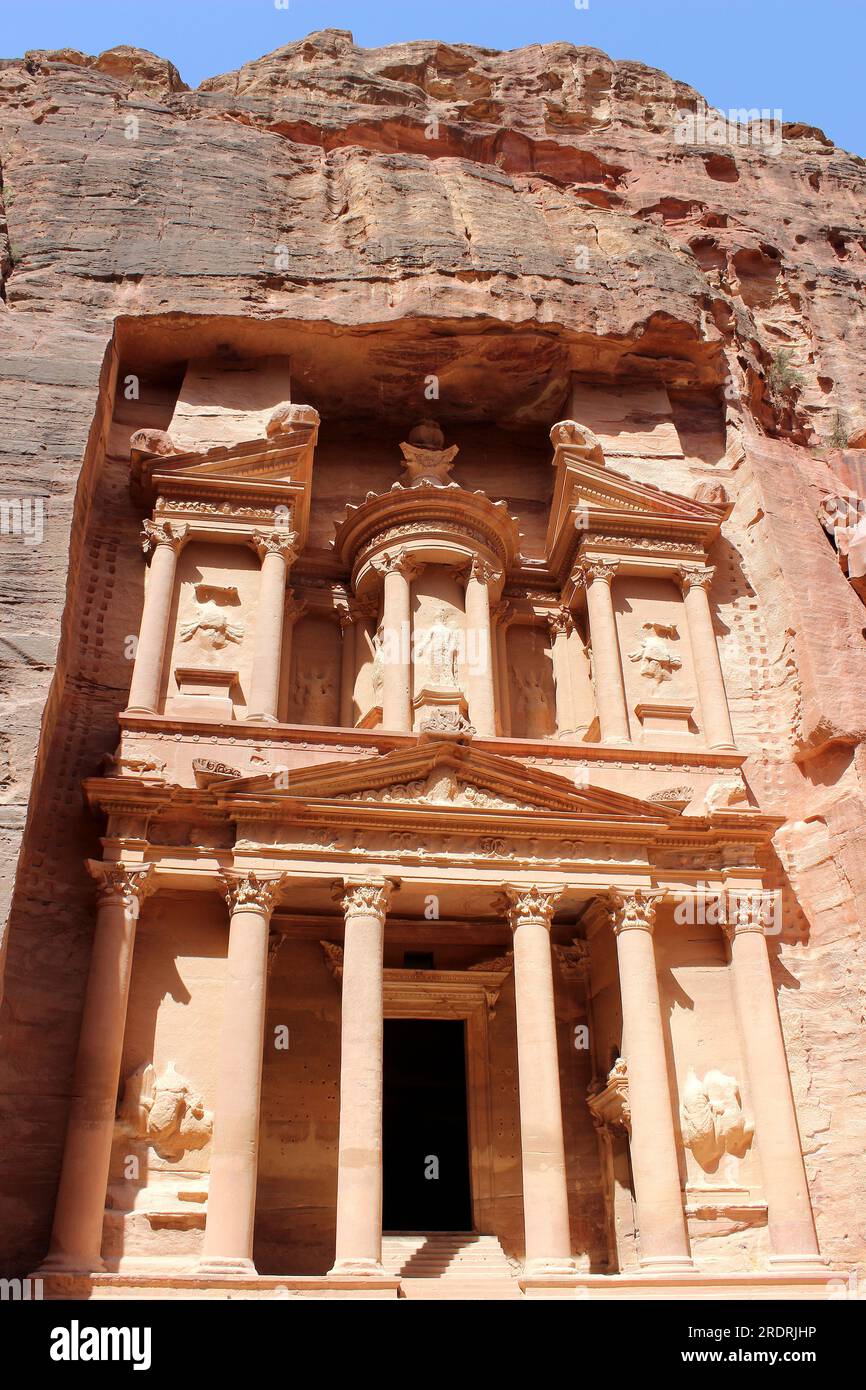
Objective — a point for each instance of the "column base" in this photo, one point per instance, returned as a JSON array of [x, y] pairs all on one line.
[[667, 1264], [261, 719], [58, 1263], [225, 1264], [139, 709], [357, 1269], [795, 1264], [549, 1269]]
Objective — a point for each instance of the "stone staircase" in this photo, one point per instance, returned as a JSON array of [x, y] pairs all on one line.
[[450, 1265]]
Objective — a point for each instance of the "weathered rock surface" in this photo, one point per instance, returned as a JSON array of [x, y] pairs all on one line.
[[536, 214]]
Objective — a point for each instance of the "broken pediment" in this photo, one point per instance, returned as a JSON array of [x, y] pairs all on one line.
[[589, 498]]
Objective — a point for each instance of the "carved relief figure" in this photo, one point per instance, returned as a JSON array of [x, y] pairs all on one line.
[[533, 697], [441, 645], [314, 692], [209, 622], [657, 660], [165, 1111], [378, 664], [711, 1119]]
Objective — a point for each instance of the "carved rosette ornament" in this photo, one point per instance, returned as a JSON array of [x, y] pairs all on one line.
[[531, 907], [694, 577], [367, 899], [156, 533], [282, 543], [590, 571], [118, 883], [635, 911], [249, 893]]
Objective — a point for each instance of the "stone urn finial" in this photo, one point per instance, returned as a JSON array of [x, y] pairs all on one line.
[[427, 434], [428, 462]]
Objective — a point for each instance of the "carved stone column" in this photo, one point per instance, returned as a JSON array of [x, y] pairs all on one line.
[[228, 1238], [165, 540], [277, 550], [597, 576], [398, 569], [479, 647], [695, 583], [545, 1191], [348, 665], [359, 1173], [575, 707], [789, 1210], [502, 615], [76, 1237], [663, 1240]]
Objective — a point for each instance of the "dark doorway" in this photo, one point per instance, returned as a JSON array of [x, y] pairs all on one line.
[[426, 1134]]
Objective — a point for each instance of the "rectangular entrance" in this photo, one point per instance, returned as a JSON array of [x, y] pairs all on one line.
[[426, 1133]]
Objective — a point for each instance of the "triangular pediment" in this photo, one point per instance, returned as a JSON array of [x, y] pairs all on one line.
[[446, 774], [284, 459]]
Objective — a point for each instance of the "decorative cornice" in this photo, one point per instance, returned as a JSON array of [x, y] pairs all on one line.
[[531, 907], [157, 533], [118, 882], [248, 892]]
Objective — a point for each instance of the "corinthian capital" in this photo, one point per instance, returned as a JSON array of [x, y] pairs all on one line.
[[483, 572], [634, 911], [156, 533], [561, 620], [282, 543], [695, 577], [531, 907], [247, 892], [588, 571], [397, 562], [747, 912], [367, 898], [117, 883]]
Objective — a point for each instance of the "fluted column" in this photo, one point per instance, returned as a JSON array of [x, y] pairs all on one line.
[[277, 550], [164, 541], [545, 1191], [575, 707], [76, 1237], [789, 1210], [664, 1243], [695, 583], [398, 570], [359, 1172], [479, 647], [597, 576], [228, 1237]]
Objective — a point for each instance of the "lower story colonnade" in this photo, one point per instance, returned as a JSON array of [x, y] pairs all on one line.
[[527, 907]]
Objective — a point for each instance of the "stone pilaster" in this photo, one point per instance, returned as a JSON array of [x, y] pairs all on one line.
[[163, 540]]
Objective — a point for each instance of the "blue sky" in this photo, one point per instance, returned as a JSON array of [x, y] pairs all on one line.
[[803, 56]]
